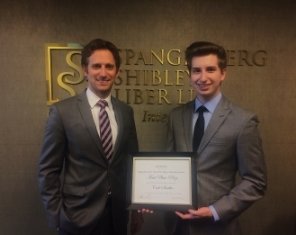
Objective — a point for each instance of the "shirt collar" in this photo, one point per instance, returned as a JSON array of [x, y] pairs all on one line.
[[93, 99], [210, 105]]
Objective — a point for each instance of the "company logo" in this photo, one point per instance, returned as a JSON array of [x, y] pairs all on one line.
[[63, 72]]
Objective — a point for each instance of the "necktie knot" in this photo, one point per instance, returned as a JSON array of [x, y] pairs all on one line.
[[201, 110], [102, 104]]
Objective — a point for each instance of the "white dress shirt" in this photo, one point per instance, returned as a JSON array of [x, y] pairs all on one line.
[[93, 99]]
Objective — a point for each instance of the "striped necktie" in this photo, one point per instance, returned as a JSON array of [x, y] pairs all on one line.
[[105, 129]]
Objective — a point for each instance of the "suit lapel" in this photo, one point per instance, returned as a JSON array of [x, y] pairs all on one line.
[[187, 124], [86, 114], [219, 115], [119, 119]]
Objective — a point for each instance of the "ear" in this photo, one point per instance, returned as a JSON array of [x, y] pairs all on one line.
[[223, 72], [85, 71], [118, 72]]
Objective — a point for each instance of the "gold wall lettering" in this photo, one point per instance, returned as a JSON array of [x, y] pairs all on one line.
[[147, 77]]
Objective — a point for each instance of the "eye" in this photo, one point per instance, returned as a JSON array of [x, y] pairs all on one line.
[[96, 66], [110, 66], [211, 69], [195, 70]]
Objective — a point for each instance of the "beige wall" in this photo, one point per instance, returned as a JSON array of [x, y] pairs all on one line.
[[243, 28]]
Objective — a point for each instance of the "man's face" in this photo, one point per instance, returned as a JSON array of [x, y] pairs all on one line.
[[206, 76], [101, 72]]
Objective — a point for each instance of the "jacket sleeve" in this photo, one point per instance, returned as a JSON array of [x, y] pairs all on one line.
[[252, 170], [50, 166]]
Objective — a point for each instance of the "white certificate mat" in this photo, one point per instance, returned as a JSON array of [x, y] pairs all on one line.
[[162, 181]]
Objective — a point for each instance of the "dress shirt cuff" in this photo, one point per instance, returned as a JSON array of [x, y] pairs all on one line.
[[214, 212]]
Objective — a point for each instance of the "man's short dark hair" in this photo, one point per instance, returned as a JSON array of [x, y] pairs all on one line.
[[100, 44], [202, 48]]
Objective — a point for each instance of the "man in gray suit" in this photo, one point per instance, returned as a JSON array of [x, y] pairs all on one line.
[[230, 144], [82, 186]]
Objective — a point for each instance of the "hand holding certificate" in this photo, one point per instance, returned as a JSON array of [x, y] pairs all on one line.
[[162, 181]]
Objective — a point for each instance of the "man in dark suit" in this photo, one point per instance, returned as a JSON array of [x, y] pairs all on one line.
[[230, 144], [83, 185]]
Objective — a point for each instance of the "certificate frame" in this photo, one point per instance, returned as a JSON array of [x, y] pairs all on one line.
[[162, 181]]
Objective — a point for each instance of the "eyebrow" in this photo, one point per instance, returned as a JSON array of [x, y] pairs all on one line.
[[106, 64]]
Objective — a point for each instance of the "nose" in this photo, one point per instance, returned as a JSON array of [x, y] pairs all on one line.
[[203, 76], [103, 71]]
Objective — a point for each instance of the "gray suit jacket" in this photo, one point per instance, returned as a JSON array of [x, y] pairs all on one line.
[[231, 144], [74, 176]]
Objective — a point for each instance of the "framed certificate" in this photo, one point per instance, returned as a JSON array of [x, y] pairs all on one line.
[[164, 181]]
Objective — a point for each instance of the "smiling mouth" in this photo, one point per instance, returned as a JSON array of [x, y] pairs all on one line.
[[203, 86], [103, 80]]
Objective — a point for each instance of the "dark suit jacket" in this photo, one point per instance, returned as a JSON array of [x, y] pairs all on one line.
[[231, 144], [74, 175]]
